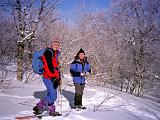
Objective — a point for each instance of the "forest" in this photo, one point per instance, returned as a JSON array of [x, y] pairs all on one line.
[[121, 42]]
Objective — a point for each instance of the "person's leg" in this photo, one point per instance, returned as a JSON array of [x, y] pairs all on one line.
[[78, 94], [81, 93], [81, 90], [38, 109], [52, 94]]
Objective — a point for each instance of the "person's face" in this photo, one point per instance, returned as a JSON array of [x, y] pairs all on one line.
[[55, 46], [81, 56]]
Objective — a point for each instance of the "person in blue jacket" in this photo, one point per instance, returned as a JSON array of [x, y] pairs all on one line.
[[79, 68]]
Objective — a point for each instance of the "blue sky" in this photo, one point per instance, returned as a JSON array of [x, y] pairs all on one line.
[[68, 8]]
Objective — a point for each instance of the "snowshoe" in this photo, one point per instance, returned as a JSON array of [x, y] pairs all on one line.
[[37, 111], [77, 108], [55, 114], [82, 107]]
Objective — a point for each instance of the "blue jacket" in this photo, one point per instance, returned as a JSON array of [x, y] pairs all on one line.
[[77, 68]]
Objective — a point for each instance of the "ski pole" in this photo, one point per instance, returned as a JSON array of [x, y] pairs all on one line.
[[61, 92]]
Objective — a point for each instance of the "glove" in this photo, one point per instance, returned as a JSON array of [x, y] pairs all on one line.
[[55, 83]]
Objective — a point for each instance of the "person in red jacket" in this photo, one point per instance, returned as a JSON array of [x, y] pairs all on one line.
[[51, 78]]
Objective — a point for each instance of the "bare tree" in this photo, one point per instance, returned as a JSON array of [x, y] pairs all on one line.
[[132, 25], [28, 15]]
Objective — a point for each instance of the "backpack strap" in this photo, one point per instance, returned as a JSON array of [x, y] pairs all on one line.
[[50, 51]]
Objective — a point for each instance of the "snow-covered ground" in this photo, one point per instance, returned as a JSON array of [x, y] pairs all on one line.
[[101, 103]]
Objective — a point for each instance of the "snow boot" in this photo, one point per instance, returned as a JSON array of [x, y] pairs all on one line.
[[75, 107], [52, 111], [82, 107], [38, 109]]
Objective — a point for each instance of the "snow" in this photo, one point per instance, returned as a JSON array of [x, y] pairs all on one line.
[[102, 103]]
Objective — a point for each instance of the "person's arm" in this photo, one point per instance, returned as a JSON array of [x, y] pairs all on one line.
[[88, 69], [73, 71]]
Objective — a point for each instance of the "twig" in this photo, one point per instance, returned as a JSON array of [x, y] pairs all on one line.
[[98, 106]]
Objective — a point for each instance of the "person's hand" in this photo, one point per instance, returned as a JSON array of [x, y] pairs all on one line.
[[55, 84], [87, 73], [82, 74]]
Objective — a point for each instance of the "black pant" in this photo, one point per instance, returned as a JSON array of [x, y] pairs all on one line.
[[79, 88]]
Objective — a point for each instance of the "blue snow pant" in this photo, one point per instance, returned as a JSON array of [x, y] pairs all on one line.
[[51, 92]]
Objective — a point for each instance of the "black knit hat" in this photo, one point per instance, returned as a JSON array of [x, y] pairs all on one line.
[[81, 51]]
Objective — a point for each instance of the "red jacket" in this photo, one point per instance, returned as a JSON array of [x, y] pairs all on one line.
[[50, 62]]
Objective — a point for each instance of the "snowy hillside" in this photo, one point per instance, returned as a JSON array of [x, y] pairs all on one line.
[[102, 104]]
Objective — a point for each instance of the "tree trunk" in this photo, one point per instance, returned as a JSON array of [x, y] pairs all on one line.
[[30, 51], [21, 30], [20, 61]]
